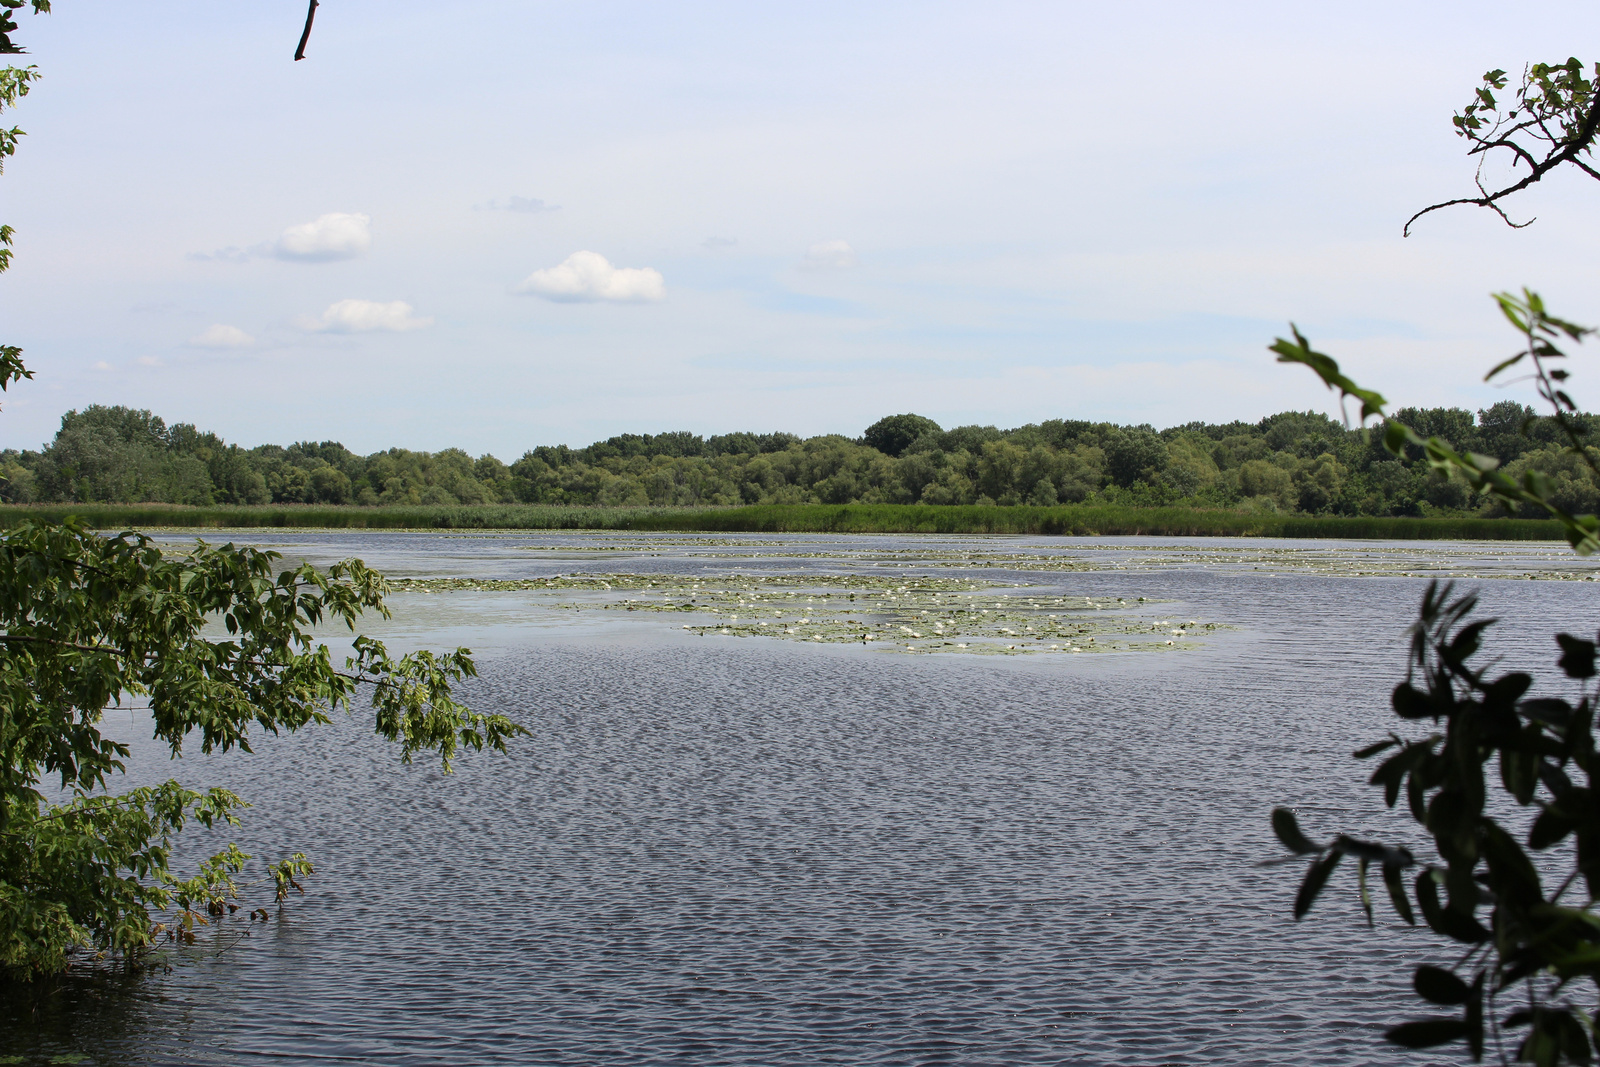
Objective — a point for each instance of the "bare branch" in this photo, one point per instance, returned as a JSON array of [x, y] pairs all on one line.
[[305, 35]]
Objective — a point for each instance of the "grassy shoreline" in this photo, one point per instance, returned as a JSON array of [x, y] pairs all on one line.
[[1065, 520]]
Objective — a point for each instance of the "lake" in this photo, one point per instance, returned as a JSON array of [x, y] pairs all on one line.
[[800, 799]]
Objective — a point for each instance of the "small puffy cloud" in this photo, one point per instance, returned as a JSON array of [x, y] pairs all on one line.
[[830, 255], [332, 236], [220, 336], [366, 316], [585, 277], [150, 361], [102, 365], [716, 244]]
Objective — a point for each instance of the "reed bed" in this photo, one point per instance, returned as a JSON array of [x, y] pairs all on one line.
[[1065, 520]]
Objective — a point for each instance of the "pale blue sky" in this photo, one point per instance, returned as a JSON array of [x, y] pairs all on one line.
[[821, 214]]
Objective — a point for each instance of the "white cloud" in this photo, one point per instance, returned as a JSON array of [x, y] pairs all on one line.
[[589, 276], [220, 336], [150, 361], [830, 255], [366, 316], [102, 365], [331, 236]]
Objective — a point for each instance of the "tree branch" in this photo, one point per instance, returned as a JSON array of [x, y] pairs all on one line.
[[1580, 141], [305, 35], [21, 639]]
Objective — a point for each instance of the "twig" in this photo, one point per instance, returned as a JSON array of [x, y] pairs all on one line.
[[305, 35], [19, 638]]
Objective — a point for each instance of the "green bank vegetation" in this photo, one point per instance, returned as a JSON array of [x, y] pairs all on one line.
[[1067, 520], [1293, 463]]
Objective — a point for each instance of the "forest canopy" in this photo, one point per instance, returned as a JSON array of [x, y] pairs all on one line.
[[1292, 462]]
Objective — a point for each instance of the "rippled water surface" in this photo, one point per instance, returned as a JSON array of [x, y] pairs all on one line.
[[749, 850]]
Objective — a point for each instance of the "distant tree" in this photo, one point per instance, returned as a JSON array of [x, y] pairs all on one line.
[[894, 434], [1133, 453]]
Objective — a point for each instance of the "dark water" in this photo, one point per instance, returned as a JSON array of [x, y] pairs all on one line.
[[749, 852]]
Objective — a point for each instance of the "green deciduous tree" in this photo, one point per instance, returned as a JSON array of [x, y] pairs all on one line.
[[894, 434], [90, 621], [219, 641]]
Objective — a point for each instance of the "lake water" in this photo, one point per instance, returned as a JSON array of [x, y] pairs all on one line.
[[729, 843]]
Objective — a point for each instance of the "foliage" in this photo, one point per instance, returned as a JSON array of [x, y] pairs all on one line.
[[1529, 958], [1479, 472], [217, 643], [1517, 875], [894, 434], [90, 621], [1290, 463], [15, 83], [1066, 519], [1551, 122]]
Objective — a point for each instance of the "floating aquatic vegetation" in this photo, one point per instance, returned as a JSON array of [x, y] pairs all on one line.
[[899, 613], [1528, 562]]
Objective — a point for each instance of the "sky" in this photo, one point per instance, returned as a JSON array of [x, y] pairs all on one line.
[[495, 225]]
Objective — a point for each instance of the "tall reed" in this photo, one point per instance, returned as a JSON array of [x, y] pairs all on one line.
[[1070, 519]]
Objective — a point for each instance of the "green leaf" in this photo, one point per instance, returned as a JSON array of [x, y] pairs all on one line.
[[1397, 893], [1300, 351], [1551, 827], [1452, 924], [1288, 831], [1409, 703], [1426, 1033], [1577, 656], [1316, 877], [1439, 986], [1374, 749]]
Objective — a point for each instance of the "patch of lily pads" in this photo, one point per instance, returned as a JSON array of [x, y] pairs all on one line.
[[919, 614], [1350, 560]]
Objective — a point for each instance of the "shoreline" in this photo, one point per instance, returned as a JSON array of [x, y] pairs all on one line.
[[1070, 520]]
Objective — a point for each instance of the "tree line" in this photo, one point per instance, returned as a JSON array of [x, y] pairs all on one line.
[[1293, 462]]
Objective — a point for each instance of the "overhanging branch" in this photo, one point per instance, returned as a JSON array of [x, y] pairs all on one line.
[[1565, 151]]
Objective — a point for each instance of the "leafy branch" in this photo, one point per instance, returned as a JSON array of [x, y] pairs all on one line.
[[1530, 945], [15, 83], [86, 620], [1552, 121], [1539, 329]]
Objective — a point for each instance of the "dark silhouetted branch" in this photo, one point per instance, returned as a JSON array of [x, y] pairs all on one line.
[[1541, 100], [305, 34]]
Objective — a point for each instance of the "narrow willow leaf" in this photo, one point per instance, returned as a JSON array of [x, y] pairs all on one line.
[[1397, 893], [1426, 1033], [1316, 877]]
